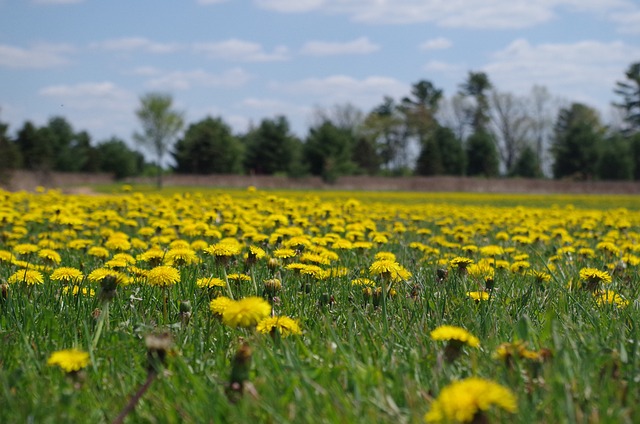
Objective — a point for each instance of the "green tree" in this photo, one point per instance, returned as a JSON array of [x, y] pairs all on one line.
[[577, 141], [616, 162], [10, 157], [209, 147], [420, 109], [482, 156], [476, 86], [117, 158], [451, 151], [527, 165], [328, 151], [365, 156], [35, 148], [272, 149], [629, 90], [160, 126], [385, 126]]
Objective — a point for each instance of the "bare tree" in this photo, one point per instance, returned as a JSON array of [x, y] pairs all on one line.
[[452, 114], [511, 126], [543, 110]]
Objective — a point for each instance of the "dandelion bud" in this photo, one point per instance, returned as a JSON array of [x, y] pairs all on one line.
[[4, 290], [272, 286], [273, 264], [157, 347], [442, 274], [239, 372], [185, 311]]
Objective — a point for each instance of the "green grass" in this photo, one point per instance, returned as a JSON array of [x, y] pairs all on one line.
[[355, 362]]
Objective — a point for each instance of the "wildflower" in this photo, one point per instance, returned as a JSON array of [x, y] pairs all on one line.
[[98, 252], [610, 297], [25, 249], [491, 250], [224, 250], [284, 253], [363, 282], [163, 276], [456, 338], [153, 256], [478, 295], [592, 277], [272, 286], [246, 312], [99, 275], [28, 276], [76, 290], [49, 256], [467, 401], [181, 256], [481, 271], [519, 266], [219, 304], [70, 360], [67, 275], [389, 270], [283, 325], [540, 277], [461, 263], [255, 253], [210, 282], [238, 277]]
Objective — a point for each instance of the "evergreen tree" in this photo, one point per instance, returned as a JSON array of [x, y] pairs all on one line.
[[209, 147], [616, 162], [527, 165], [328, 150], [272, 149], [482, 156], [117, 158], [577, 142], [629, 90]]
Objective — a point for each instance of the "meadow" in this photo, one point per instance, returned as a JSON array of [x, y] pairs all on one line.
[[318, 307]]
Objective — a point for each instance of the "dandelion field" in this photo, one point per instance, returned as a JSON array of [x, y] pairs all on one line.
[[276, 307]]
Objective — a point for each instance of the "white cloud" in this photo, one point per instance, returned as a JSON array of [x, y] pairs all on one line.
[[241, 51], [489, 14], [444, 67], [360, 45], [129, 44], [105, 93], [57, 1], [37, 56], [185, 80], [342, 88], [290, 6], [581, 70], [439, 43], [628, 22]]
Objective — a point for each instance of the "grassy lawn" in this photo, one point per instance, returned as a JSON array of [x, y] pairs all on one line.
[[533, 299]]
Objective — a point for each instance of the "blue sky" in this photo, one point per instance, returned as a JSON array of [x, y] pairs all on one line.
[[244, 60]]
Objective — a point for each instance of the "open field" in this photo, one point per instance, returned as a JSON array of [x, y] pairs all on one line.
[[231, 305], [25, 180]]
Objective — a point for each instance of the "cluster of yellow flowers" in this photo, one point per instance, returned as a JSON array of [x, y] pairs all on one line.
[[378, 247]]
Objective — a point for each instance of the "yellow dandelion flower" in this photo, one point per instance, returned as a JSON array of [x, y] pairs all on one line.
[[478, 295], [390, 270], [459, 334], [98, 252], [67, 275], [224, 249], [163, 276], [519, 266], [460, 262], [49, 256], [284, 325], [462, 401], [246, 312], [284, 253], [98, 275], [70, 360], [610, 297], [209, 282], [594, 276], [363, 282], [76, 290], [219, 304], [28, 276], [25, 249], [180, 256], [238, 277]]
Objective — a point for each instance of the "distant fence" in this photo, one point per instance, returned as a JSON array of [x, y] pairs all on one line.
[[25, 180]]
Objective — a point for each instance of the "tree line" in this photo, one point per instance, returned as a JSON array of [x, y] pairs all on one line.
[[479, 131]]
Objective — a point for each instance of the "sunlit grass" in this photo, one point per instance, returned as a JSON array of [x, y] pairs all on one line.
[[547, 285]]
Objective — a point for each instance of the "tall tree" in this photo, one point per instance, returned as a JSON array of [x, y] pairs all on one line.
[[10, 157], [482, 156], [209, 147], [327, 150], [477, 86], [420, 109], [629, 90], [35, 147], [117, 158], [386, 127], [527, 164], [543, 109], [577, 141], [615, 161], [511, 125], [160, 126], [272, 149]]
